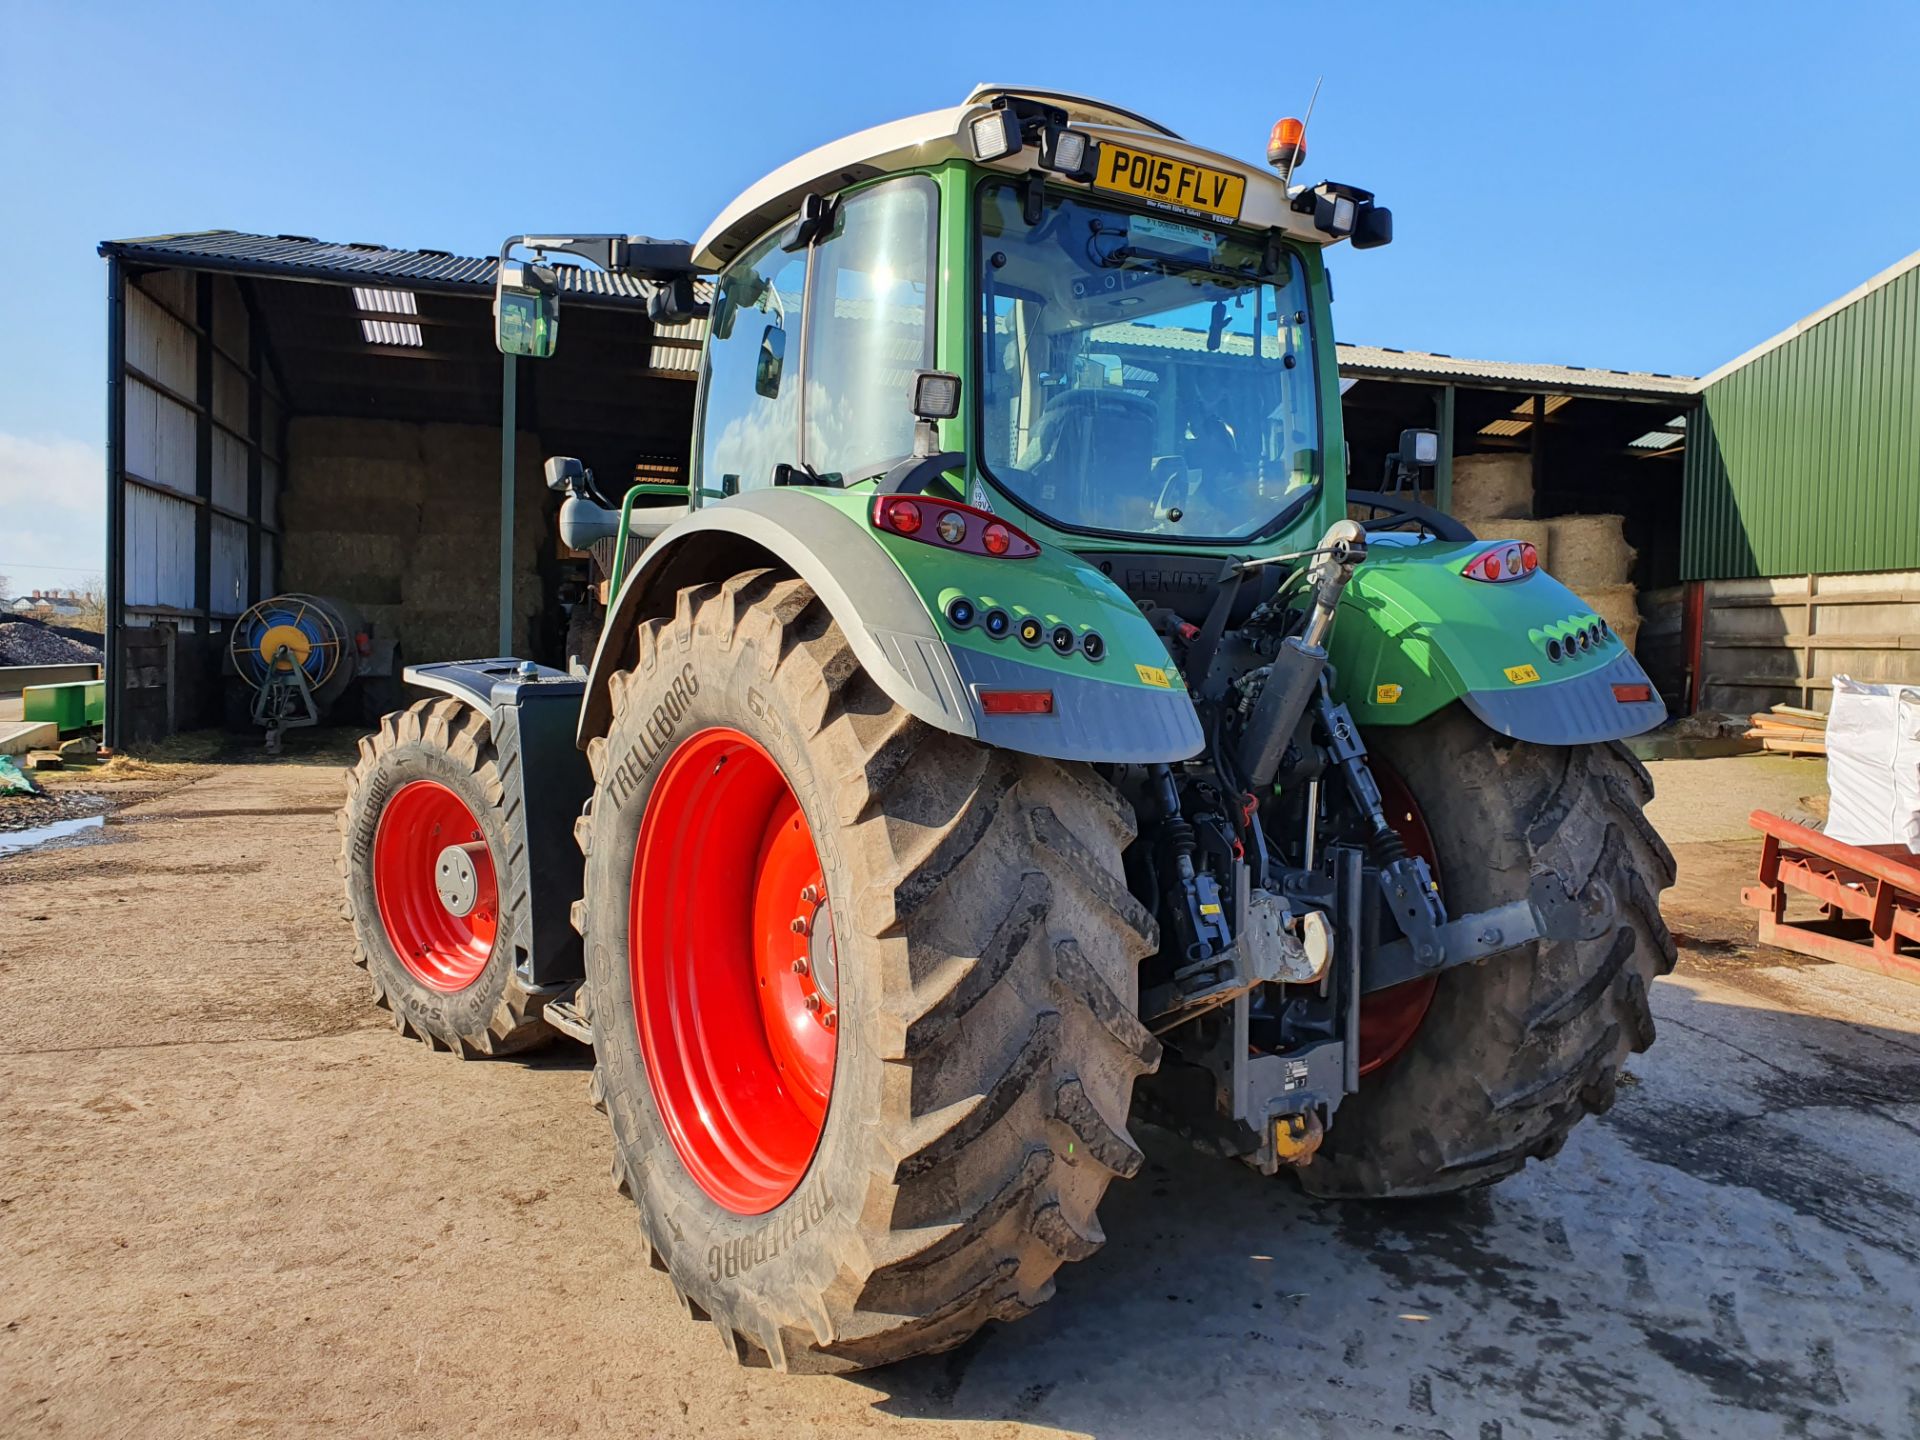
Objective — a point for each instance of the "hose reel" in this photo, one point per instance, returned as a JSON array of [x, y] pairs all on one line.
[[298, 653]]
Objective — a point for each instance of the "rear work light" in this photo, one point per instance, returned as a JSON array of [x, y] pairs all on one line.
[[952, 526], [1514, 560], [1017, 702]]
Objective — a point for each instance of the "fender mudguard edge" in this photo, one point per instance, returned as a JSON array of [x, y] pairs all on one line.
[[906, 656], [892, 633]]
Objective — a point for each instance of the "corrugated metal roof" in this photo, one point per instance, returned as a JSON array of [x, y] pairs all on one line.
[[1379, 362], [300, 257]]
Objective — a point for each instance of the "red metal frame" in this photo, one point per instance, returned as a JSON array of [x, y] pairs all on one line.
[[1870, 895]]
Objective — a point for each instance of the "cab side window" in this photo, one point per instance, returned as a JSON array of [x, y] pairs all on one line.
[[869, 328], [750, 394]]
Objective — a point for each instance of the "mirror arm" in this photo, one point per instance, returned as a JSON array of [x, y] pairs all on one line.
[[912, 475]]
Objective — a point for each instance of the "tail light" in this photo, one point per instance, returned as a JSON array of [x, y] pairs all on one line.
[[950, 524], [1514, 560], [1017, 702]]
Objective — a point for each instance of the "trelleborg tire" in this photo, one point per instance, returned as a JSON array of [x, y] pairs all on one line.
[[985, 951], [1515, 1051], [426, 780]]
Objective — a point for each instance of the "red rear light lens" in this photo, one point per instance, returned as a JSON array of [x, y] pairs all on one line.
[[957, 526], [1503, 563], [1633, 694], [901, 516], [1017, 702]]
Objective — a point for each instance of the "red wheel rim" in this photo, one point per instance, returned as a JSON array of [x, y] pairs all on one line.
[[1390, 1018], [444, 945], [735, 983]]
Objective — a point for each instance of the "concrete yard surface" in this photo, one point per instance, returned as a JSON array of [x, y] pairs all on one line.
[[233, 1201]]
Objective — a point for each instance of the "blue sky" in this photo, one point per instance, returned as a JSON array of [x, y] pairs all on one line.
[[1643, 186]]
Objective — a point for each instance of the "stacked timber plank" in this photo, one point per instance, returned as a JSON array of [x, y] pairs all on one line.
[[1789, 730]]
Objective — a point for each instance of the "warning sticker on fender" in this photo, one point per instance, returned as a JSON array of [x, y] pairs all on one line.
[[1153, 675], [1522, 674]]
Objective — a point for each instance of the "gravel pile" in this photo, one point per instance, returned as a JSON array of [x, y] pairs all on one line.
[[30, 642]]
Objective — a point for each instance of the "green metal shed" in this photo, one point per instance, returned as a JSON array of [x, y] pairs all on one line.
[[1804, 456]]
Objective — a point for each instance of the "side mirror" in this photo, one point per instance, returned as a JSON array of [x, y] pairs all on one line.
[[673, 302], [1374, 227], [526, 311], [770, 363], [1216, 324]]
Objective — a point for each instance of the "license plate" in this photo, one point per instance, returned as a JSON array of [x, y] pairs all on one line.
[[1178, 185]]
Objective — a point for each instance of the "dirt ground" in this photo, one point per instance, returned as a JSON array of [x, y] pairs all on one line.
[[231, 1200]]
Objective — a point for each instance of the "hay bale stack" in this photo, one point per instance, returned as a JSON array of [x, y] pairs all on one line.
[[1590, 552], [1619, 606], [1492, 487]]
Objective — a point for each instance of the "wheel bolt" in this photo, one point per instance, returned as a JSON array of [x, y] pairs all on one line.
[[827, 1019], [798, 925], [810, 895], [813, 1002], [800, 966]]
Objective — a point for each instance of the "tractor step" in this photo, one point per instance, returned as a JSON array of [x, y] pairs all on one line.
[[567, 1014]]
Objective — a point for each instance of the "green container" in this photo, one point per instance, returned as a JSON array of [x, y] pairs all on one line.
[[75, 705]]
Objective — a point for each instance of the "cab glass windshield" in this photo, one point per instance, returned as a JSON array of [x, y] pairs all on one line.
[[1142, 375]]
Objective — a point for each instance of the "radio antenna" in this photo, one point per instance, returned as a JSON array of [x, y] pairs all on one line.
[[1287, 179]]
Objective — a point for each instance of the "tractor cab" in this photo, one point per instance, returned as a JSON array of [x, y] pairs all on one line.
[[1138, 325], [1136, 328]]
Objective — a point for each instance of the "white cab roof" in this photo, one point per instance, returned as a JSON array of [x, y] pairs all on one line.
[[939, 135]]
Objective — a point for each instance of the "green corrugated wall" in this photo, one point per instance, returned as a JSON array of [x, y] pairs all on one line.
[[1807, 460]]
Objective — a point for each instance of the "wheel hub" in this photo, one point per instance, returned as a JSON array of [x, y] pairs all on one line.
[[457, 877]]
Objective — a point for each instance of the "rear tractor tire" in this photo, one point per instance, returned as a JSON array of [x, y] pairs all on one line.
[[1514, 1052], [862, 992], [423, 826]]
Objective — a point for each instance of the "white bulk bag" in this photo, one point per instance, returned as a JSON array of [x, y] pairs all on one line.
[[1873, 764]]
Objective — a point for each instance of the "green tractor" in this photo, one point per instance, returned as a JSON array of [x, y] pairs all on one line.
[[1009, 736]]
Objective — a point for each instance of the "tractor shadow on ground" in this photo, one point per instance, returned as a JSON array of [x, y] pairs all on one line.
[[1653, 1278]]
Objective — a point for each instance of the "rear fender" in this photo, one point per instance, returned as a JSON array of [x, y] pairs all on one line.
[[1128, 708], [1413, 635]]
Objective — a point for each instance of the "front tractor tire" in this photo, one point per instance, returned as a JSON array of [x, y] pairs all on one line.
[[424, 825], [862, 992], [1511, 1053]]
